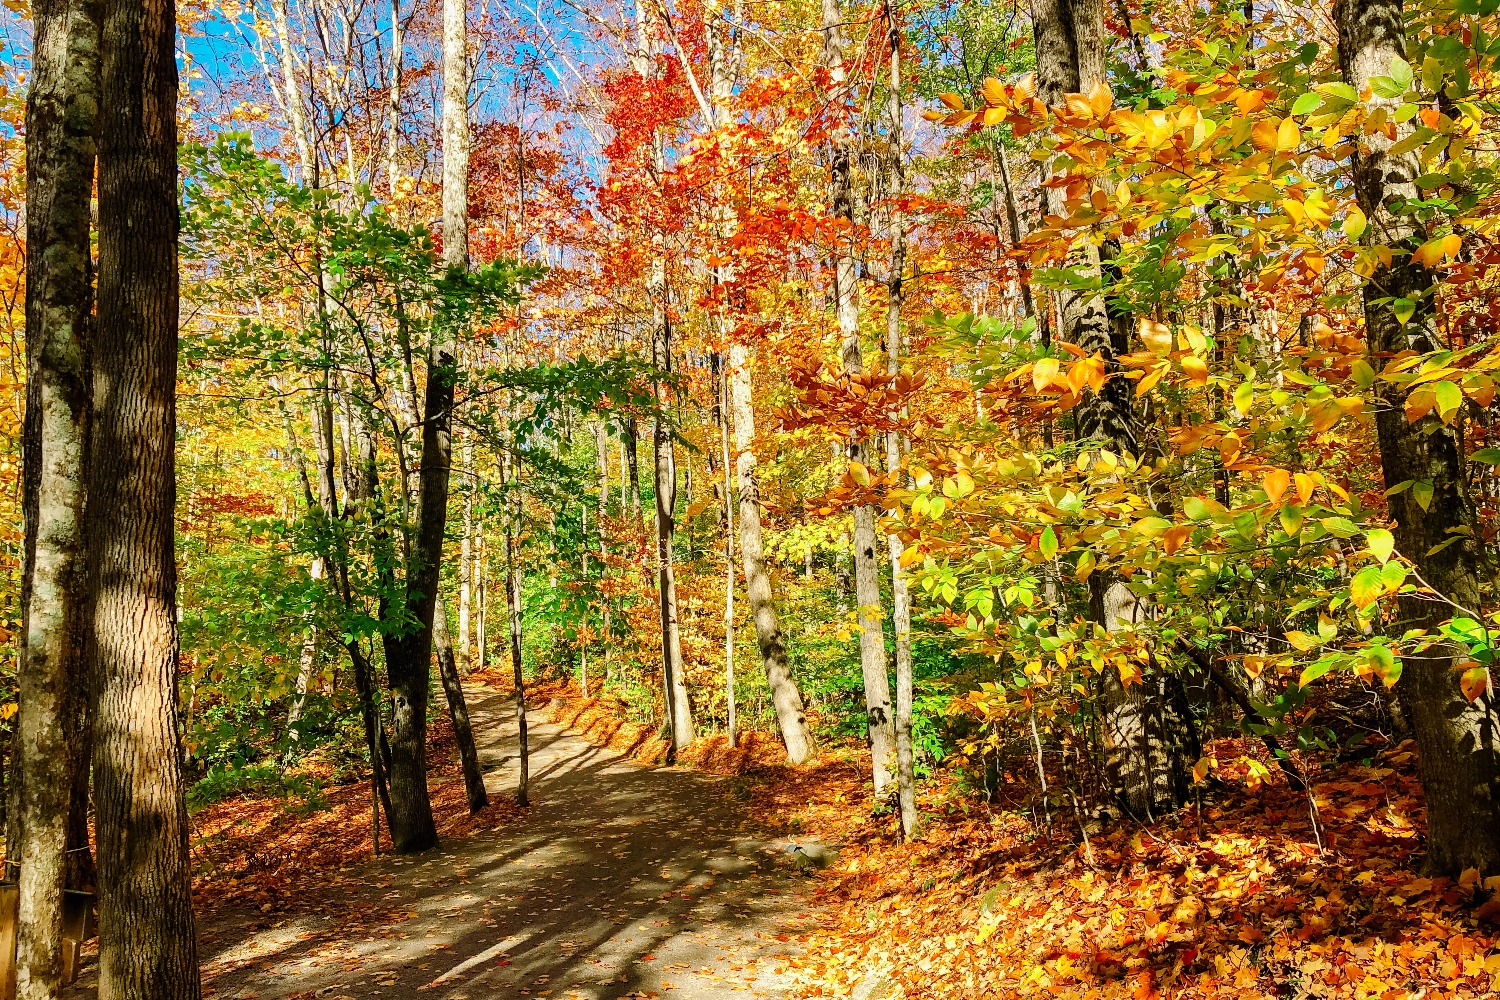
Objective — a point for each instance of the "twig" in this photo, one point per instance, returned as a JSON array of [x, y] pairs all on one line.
[[1206, 664]]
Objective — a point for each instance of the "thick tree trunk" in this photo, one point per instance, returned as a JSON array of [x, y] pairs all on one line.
[[147, 944], [52, 727], [1456, 739], [458, 710], [679, 706], [870, 613], [791, 716], [906, 778]]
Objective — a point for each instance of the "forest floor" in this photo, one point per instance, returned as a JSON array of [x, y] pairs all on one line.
[[620, 880], [626, 878]]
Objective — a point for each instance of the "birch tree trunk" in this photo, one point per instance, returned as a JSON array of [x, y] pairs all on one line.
[[1457, 754], [466, 562], [791, 716], [52, 727], [871, 615], [906, 779], [147, 943]]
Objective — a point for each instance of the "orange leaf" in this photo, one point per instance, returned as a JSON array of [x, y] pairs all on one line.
[[1276, 481]]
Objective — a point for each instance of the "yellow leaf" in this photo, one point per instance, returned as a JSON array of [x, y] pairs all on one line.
[[1474, 682], [1288, 136], [1156, 336], [1431, 253], [1276, 481], [1150, 379], [1355, 223], [1044, 371], [1200, 770], [1196, 369], [994, 92], [953, 101], [1305, 486], [1100, 99]]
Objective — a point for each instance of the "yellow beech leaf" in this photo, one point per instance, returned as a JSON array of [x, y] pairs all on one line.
[[1305, 486], [1200, 770], [1288, 136], [1355, 223], [1150, 379], [1431, 253], [1044, 371], [1276, 481], [1474, 682], [994, 92], [953, 101], [1157, 336], [1100, 99], [1196, 369]]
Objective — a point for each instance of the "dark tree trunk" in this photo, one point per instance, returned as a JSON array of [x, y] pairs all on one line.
[[1144, 738], [48, 827], [1456, 739], [147, 943], [458, 711], [629, 435]]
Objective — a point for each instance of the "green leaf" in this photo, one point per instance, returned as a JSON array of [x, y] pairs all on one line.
[[1085, 564], [1366, 587], [1404, 309], [1449, 398], [1291, 520], [1048, 543], [1314, 671], [1339, 527], [1380, 543], [1401, 73], [1364, 375], [1393, 576], [1489, 456], [1302, 642], [1243, 397], [1307, 103], [1422, 493]]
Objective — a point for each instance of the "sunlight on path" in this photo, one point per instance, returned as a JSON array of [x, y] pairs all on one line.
[[620, 881]]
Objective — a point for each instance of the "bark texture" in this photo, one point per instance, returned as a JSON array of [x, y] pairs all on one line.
[[1145, 728], [1458, 759], [52, 727], [906, 779], [147, 943], [791, 715], [458, 710], [882, 730]]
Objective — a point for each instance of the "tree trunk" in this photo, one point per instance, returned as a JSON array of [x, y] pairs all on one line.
[[628, 439], [882, 732], [458, 710], [791, 716], [466, 561], [906, 778], [147, 944], [52, 727], [1456, 742], [722, 391], [1142, 738], [679, 707], [513, 604]]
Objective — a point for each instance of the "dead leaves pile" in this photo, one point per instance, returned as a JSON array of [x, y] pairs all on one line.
[[1232, 897], [277, 855]]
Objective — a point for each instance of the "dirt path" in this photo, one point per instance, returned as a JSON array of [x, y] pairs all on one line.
[[621, 880]]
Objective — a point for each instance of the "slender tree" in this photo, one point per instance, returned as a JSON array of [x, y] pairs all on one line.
[[871, 617], [147, 943], [52, 727], [1457, 754]]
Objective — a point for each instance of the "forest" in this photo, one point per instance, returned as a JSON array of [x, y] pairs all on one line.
[[915, 497]]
